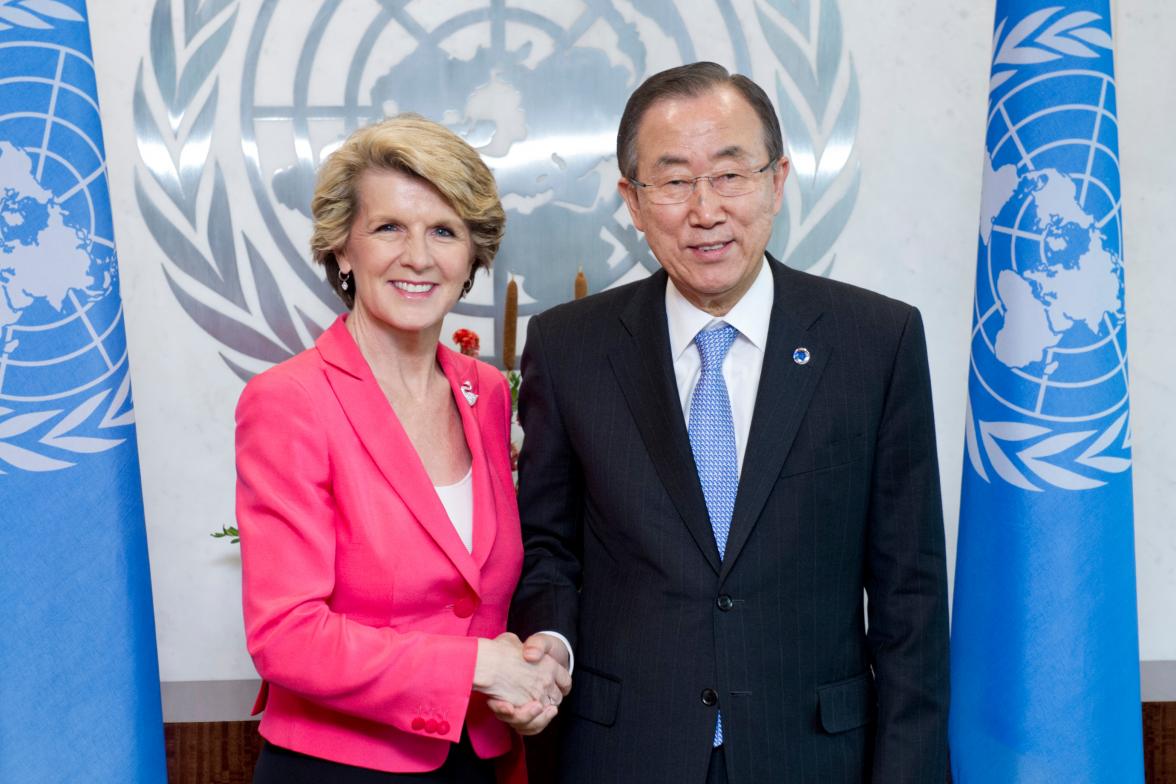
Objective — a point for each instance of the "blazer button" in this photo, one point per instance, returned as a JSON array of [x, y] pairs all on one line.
[[710, 697], [431, 726], [725, 602], [418, 724], [465, 606], [443, 727]]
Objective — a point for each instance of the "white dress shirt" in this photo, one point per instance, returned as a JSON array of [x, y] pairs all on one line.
[[744, 361]]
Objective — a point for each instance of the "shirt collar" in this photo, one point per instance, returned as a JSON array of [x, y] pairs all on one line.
[[750, 315]]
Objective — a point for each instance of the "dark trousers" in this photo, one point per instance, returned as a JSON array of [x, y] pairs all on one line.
[[542, 762], [276, 765], [716, 773]]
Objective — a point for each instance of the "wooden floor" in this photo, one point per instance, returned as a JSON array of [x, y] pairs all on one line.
[[1159, 742], [224, 752], [220, 752]]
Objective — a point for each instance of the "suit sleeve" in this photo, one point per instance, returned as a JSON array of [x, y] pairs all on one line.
[[906, 576], [286, 516], [551, 499]]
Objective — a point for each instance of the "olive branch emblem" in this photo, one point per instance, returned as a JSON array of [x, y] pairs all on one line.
[[200, 245], [818, 100], [31, 14], [1035, 40], [1015, 449], [63, 434]]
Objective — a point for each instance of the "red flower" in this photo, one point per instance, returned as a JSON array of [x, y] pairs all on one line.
[[467, 342]]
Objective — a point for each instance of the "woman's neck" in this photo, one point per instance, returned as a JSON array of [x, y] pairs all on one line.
[[403, 362]]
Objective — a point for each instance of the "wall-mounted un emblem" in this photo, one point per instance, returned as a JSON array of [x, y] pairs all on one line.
[[1049, 381], [537, 88], [64, 387]]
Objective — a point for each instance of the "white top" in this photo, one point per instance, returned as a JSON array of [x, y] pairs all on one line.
[[745, 359], [458, 500]]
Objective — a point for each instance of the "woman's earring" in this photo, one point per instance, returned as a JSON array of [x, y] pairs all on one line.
[[344, 280], [465, 287]]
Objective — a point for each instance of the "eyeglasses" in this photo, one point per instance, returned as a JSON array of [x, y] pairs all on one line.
[[675, 190]]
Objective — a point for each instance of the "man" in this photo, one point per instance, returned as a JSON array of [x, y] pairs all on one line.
[[717, 461]]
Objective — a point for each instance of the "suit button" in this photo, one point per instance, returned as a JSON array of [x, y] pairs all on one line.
[[418, 724], [443, 727], [725, 602], [465, 606], [431, 726], [710, 697]]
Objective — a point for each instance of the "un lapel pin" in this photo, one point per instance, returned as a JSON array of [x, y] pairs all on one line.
[[801, 356]]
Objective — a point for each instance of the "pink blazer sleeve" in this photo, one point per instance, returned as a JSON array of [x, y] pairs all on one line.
[[287, 519]]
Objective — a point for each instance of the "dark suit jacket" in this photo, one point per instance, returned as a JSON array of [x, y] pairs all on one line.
[[839, 492]]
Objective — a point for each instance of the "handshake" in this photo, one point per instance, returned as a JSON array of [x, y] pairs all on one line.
[[525, 682]]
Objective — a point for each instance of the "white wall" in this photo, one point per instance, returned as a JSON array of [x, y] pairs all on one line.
[[923, 73], [1147, 107]]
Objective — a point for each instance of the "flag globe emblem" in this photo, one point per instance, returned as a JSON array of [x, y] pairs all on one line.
[[1049, 341], [1049, 345], [63, 377]]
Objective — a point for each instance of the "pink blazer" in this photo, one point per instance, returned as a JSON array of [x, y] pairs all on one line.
[[361, 603]]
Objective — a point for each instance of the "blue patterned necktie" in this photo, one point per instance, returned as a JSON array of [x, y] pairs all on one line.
[[712, 439]]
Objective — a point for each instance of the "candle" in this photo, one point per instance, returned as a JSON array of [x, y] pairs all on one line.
[[581, 286], [510, 324]]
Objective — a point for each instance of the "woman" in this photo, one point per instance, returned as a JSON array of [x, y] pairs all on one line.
[[379, 532]]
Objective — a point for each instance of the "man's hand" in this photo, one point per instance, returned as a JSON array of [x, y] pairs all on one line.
[[529, 719], [550, 655], [542, 644]]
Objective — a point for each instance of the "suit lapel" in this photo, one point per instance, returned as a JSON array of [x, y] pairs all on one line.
[[463, 375], [645, 373], [785, 391], [377, 428]]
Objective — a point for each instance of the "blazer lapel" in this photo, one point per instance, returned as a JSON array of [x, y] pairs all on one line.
[[785, 391], [463, 379], [645, 373], [377, 428]]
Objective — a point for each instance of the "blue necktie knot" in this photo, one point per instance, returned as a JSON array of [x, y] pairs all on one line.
[[713, 345]]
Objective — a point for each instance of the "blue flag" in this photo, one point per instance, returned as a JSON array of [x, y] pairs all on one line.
[[79, 678], [1045, 651]]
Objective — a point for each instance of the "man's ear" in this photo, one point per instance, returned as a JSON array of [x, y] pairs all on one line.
[[779, 175], [628, 192]]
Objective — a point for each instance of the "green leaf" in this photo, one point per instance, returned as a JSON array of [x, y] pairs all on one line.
[[514, 378], [227, 531]]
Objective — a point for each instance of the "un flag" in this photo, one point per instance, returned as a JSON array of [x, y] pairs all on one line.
[[79, 679], [1045, 659]]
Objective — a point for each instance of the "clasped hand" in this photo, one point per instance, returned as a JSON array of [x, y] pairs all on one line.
[[525, 683]]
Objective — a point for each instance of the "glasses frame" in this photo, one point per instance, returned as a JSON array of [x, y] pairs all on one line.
[[710, 178]]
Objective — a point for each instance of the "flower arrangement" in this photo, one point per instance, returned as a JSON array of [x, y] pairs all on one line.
[[468, 342]]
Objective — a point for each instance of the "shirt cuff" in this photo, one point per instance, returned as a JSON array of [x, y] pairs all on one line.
[[567, 645]]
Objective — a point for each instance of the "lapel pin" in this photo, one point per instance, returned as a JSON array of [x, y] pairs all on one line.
[[467, 389], [801, 356]]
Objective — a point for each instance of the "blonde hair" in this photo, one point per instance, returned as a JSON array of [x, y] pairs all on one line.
[[412, 144]]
